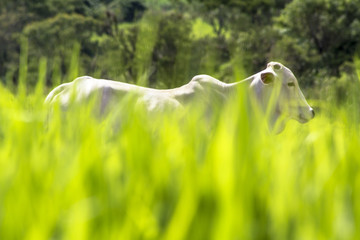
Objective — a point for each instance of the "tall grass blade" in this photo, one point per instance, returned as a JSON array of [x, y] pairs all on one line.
[[23, 67]]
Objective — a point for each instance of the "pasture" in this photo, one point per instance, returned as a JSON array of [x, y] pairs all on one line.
[[74, 176], [187, 173]]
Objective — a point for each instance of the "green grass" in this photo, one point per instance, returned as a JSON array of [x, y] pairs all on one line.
[[74, 176]]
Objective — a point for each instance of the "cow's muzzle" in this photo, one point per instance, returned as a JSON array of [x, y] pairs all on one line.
[[305, 116], [312, 112]]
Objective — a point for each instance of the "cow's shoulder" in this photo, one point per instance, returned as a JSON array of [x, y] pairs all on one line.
[[206, 80], [208, 84]]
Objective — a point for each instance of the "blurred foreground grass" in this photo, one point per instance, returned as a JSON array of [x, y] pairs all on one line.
[[75, 177]]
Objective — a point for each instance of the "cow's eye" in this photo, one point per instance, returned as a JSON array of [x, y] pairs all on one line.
[[291, 84]]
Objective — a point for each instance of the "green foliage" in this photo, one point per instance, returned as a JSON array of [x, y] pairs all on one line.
[[202, 29], [23, 69], [165, 43], [146, 39], [74, 176], [171, 55], [119, 52], [49, 8], [11, 25], [154, 50], [328, 37], [56, 37], [133, 176], [61, 31], [258, 47]]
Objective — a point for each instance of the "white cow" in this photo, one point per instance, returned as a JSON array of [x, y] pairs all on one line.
[[276, 84]]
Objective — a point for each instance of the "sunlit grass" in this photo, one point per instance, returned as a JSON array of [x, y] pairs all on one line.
[[134, 176], [76, 178]]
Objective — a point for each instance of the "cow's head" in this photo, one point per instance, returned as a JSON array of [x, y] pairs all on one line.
[[279, 93]]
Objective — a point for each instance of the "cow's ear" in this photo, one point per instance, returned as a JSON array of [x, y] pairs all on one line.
[[267, 78]]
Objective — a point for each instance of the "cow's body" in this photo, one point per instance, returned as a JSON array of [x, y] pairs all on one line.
[[154, 99], [288, 101]]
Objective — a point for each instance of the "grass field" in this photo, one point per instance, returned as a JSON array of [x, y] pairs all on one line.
[[75, 177]]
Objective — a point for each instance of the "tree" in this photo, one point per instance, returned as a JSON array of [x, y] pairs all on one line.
[[55, 37], [328, 31], [11, 25]]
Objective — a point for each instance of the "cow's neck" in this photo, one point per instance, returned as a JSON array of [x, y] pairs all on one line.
[[213, 89], [234, 88]]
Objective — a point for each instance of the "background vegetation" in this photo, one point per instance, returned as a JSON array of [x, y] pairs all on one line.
[[165, 43], [74, 176]]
